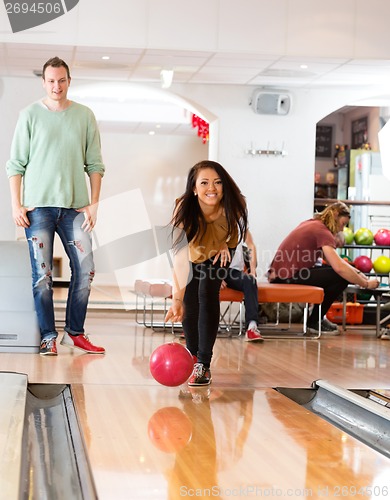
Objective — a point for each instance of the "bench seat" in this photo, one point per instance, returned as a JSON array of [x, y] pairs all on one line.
[[267, 293]]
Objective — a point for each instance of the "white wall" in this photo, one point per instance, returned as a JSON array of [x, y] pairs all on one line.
[[15, 94], [279, 191]]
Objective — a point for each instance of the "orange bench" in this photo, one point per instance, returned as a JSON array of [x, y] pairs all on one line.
[[276, 293], [284, 293], [267, 292]]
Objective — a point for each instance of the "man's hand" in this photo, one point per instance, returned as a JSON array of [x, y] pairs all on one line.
[[19, 215], [90, 216]]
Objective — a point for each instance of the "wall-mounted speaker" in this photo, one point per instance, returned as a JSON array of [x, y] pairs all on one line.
[[271, 102]]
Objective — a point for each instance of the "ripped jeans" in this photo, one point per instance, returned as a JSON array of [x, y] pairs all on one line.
[[44, 223]]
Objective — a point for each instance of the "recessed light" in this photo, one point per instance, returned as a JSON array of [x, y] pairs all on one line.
[[152, 132], [158, 125], [303, 66], [105, 58]]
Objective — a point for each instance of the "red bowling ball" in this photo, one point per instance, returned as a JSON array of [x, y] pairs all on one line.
[[169, 429], [363, 263], [382, 237], [171, 364]]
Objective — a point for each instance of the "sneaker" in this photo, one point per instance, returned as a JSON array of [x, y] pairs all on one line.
[[385, 335], [48, 347], [253, 335], [200, 375], [81, 342], [326, 328], [325, 323]]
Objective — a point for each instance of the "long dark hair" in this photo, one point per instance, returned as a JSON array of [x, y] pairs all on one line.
[[189, 215]]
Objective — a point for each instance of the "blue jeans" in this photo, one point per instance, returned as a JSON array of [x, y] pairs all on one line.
[[44, 223], [238, 280]]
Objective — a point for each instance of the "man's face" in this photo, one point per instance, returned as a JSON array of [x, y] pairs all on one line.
[[56, 83]]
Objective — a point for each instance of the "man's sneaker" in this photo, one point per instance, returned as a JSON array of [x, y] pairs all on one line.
[[200, 375], [81, 342], [327, 328], [385, 334], [253, 335], [48, 347]]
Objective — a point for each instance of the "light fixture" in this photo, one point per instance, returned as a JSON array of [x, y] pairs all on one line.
[[166, 77], [105, 58]]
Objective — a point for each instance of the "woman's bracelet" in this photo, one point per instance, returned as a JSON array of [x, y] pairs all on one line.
[[367, 280]]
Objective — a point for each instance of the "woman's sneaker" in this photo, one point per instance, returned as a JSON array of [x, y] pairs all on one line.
[[327, 328], [385, 334], [48, 347], [200, 375], [81, 342]]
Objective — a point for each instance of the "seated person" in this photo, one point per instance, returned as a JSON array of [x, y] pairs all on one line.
[[296, 261], [245, 282]]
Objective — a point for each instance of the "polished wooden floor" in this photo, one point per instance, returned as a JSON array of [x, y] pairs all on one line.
[[237, 438]]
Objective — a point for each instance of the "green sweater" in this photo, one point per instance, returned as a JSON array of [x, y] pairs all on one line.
[[53, 150]]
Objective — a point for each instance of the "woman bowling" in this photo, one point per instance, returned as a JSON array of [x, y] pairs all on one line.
[[207, 221]]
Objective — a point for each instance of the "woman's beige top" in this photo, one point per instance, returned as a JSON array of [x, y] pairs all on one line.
[[215, 237]]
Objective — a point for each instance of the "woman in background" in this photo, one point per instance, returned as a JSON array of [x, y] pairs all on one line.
[[296, 262]]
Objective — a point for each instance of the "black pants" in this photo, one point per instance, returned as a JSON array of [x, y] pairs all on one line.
[[324, 277], [202, 309]]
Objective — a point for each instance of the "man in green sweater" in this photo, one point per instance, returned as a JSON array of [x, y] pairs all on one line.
[[57, 142]]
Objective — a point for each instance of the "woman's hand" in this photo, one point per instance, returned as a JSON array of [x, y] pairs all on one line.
[[175, 313], [372, 283], [224, 254]]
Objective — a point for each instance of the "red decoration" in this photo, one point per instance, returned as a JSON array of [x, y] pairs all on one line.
[[203, 128]]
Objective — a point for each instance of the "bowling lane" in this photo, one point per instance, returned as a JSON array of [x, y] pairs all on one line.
[[158, 442]]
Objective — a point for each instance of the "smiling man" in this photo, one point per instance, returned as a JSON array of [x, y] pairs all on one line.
[[56, 142]]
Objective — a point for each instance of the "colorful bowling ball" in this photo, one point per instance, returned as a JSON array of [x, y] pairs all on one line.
[[171, 364], [346, 257], [363, 236], [382, 264], [382, 237], [169, 429], [348, 235], [363, 263]]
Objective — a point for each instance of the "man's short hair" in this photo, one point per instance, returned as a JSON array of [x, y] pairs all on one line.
[[55, 62]]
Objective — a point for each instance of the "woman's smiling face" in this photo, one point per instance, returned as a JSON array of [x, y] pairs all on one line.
[[208, 187]]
